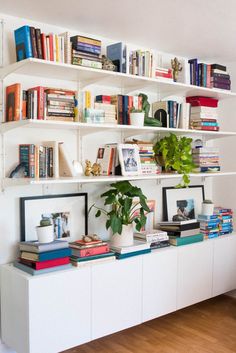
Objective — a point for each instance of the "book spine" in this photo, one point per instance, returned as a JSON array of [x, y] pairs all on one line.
[[51, 49], [208, 84], [33, 41], [44, 46], [39, 43]]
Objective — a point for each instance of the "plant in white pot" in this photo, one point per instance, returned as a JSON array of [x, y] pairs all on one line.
[[137, 117], [127, 205], [45, 231]]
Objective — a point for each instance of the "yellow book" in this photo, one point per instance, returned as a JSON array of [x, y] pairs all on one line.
[[57, 48]]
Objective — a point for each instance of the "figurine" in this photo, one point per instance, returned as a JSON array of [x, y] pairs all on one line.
[[96, 169], [176, 66], [107, 64], [145, 104], [90, 237], [88, 168]]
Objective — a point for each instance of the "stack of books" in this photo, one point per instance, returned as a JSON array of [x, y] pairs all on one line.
[[37, 258], [209, 226], [166, 74], [31, 43], [204, 113], [206, 159], [155, 238], [60, 104], [219, 77], [140, 63], [86, 52], [138, 248], [147, 157], [182, 232], [89, 252], [109, 111], [225, 216]]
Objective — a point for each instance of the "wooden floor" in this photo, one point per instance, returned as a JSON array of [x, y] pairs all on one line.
[[208, 327]]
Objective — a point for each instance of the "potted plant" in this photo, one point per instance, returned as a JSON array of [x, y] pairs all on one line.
[[127, 205], [45, 231], [137, 117], [175, 153]]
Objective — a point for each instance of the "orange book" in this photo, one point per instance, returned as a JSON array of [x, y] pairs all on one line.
[[14, 102]]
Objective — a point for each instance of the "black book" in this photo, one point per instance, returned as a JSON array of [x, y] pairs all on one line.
[[218, 67], [179, 227], [33, 42], [39, 43]]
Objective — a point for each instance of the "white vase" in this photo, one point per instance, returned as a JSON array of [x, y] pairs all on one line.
[[137, 119], [126, 238], [45, 234], [207, 209]]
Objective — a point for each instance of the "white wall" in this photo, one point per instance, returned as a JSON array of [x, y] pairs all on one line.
[[9, 199]]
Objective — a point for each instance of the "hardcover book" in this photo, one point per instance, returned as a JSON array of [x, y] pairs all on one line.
[[47, 255], [33, 272], [45, 264], [23, 43], [14, 98], [178, 241], [36, 247]]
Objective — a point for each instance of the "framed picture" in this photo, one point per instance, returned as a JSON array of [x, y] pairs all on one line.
[[129, 159], [150, 216], [186, 202], [67, 212]]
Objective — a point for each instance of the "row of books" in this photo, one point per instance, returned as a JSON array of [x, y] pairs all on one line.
[[32, 43], [209, 75], [38, 258], [39, 103], [140, 63], [206, 159], [172, 114]]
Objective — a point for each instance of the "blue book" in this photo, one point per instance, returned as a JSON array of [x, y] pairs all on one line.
[[48, 255], [117, 54], [131, 254], [125, 110], [23, 43], [33, 272]]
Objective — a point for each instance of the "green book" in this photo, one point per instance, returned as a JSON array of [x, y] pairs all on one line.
[[178, 241], [133, 253]]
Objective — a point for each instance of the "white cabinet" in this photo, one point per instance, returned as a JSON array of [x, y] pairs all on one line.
[[194, 273], [159, 283], [48, 313], [116, 296], [224, 267]]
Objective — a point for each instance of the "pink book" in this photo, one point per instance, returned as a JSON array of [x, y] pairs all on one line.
[[91, 251]]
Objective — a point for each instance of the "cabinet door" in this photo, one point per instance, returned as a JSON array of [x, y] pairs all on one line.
[[116, 296], [195, 266], [224, 273], [159, 283], [60, 310]]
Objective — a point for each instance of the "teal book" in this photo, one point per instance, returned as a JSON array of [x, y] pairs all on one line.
[[131, 254], [93, 257], [33, 272], [186, 240], [47, 255]]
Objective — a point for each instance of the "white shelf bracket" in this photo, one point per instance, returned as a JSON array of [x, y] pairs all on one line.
[[203, 179]]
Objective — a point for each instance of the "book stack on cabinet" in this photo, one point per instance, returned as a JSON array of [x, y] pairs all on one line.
[[138, 248], [38, 258]]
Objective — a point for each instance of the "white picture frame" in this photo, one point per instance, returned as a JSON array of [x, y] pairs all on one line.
[[129, 159]]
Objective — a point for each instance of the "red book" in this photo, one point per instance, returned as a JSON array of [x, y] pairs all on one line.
[[130, 105], [13, 102], [41, 101], [51, 49], [91, 251], [46, 264], [208, 83], [44, 45], [202, 101]]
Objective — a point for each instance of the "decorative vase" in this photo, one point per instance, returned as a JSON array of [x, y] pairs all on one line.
[[137, 119], [207, 208], [45, 234], [126, 238]]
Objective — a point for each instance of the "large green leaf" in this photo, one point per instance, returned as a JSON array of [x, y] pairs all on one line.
[[116, 224]]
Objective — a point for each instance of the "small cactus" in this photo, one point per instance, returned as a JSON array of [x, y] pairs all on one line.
[[45, 222]]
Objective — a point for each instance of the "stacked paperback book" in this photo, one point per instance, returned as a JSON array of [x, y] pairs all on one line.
[[182, 232], [147, 158], [155, 238], [206, 159], [104, 103], [219, 77], [204, 113], [37, 258], [138, 248], [209, 225], [86, 52], [225, 216], [90, 252]]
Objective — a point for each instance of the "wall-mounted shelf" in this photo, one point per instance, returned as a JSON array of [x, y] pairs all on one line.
[[127, 82], [128, 130]]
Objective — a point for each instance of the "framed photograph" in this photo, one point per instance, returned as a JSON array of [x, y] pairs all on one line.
[[185, 202], [150, 216], [67, 212], [129, 159]]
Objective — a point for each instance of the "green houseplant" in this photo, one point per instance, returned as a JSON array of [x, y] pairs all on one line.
[[127, 205], [175, 153]]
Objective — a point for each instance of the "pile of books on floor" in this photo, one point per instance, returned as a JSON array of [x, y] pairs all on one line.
[[37, 258], [206, 159], [220, 77], [86, 52], [31, 43], [155, 238], [140, 63], [90, 252], [204, 113], [138, 248], [40, 103], [225, 216], [209, 225], [182, 232]]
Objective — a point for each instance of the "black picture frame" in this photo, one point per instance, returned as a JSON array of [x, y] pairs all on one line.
[[26, 202], [167, 191]]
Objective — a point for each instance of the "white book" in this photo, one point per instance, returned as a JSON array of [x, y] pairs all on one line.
[[184, 116], [137, 246], [66, 167], [67, 47], [48, 48], [62, 41], [204, 110], [54, 145], [54, 47], [35, 112], [105, 158]]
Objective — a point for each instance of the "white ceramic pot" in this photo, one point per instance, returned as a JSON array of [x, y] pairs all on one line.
[[45, 234], [207, 209], [137, 119], [126, 238]]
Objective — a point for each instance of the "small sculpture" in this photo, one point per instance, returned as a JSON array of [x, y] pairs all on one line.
[[90, 237], [107, 64], [96, 169], [176, 66], [145, 104], [88, 168]]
